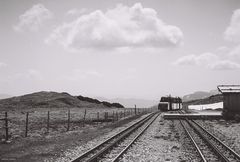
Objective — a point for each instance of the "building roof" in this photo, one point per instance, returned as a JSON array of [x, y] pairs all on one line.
[[229, 88], [171, 99]]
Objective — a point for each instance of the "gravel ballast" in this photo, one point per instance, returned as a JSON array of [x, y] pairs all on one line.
[[75, 152], [227, 131], [161, 142]]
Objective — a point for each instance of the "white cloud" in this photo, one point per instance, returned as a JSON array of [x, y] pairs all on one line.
[[203, 59], [235, 52], [75, 12], [2, 64], [222, 50], [225, 55], [122, 26], [232, 32], [186, 60], [224, 65], [33, 18], [207, 60]]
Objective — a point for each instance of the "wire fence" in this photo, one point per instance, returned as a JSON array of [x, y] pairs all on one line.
[[38, 123]]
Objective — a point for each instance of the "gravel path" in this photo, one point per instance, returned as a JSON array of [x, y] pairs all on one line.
[[161, 142]]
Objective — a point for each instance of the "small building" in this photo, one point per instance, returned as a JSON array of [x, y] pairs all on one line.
[[231, 100], [173, 102]]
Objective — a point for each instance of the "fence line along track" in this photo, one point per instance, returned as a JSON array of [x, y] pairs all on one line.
[[222, 151], [96, 153]]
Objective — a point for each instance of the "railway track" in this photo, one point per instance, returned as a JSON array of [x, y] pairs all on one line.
[[114, 147], [209, 147]]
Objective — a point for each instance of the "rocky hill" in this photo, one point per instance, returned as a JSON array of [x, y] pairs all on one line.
[[50, 100]]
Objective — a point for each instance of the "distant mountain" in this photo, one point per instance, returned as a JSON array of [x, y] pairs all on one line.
[[3, 96], [130, 102], [199, 95], [48, 100]]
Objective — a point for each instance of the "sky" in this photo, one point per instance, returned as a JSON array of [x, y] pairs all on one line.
[[119, 48]]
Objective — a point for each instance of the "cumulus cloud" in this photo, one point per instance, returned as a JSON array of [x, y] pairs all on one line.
[[122, 26], [207, 60], [203, 59], [232, 32], [2, 64], [222, 50], [222, 59], [224, 65], [75, 12], [235, 52], [186, 60], [33, 18]]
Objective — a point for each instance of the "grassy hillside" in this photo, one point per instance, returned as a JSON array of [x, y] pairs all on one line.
[[48, 100]]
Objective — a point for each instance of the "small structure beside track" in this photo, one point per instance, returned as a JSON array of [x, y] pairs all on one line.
[[231, 100], [170, 103]]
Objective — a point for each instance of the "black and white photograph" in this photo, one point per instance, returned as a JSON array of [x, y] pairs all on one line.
[[119, 80]]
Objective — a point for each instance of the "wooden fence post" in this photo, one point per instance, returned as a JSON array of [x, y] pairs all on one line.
[[106, 116], [113, 117], [84, 117], [98, 117], [48, 119], [68, 121], [26, 128], [6, 125], [117, 116], [135, 109]]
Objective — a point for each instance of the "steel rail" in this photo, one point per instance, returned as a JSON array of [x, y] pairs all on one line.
[[134, 140], [111, 145], [236, 155], [111, 139], [194, 143], [214, 148]]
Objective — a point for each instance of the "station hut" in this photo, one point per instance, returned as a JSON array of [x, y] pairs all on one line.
[[172, 100], [231, 100]]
